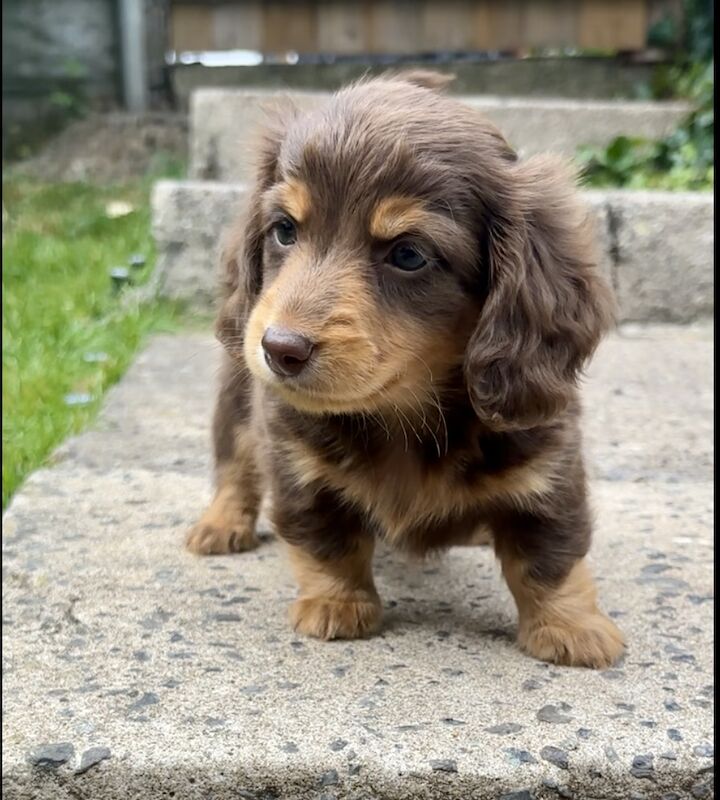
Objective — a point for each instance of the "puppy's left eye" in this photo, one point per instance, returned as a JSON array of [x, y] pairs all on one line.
[[285, 232], [407, 257]]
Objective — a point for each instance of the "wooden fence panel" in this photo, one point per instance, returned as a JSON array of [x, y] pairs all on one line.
[[612, 24], [409, 26], [342, 27], [239, 26], [191, 28], [394, 26], [506, 21], [551, 23], [448, 26], [290, 26]]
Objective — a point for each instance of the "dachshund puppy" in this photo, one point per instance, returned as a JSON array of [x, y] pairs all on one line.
[[407, 310]]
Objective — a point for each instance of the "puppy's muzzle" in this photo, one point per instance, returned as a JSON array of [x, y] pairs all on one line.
[[286, 352]]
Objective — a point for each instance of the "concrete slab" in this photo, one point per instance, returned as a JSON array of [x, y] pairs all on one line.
[[189, 219], [186, 670], [225, 122], [590, 77], [656, 247], [664, 247]]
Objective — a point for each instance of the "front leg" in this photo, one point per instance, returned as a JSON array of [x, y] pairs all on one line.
[[337, 598], [542, 556], [228, 525], [331, 558]]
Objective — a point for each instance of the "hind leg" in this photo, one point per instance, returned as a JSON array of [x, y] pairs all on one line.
[[228, 525]]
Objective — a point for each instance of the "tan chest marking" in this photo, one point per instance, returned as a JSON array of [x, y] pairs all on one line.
[[400, 495]]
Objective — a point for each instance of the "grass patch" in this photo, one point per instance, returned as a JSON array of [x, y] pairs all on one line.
[[67, 336]]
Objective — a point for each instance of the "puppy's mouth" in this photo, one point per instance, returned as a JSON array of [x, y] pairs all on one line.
[[319, 401], [305, 389]]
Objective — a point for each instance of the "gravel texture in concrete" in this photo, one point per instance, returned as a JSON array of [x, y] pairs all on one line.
[[135, 670]]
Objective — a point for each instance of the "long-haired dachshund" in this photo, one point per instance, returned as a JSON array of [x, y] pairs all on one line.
[[407, 310]]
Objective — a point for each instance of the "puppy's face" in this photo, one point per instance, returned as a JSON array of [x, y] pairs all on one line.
[[379, 227], [368, 266], [362, 304]]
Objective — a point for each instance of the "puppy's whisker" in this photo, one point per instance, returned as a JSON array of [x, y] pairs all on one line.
[[409, 422], [378, 418], [210, 347], [384, 394], [425, 422], [407, 443], [232, 340], [238, 375], [436, 400]]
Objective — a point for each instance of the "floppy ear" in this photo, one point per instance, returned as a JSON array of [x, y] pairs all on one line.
[[547, 305], [241, 257], [242, 253], [426, 79]]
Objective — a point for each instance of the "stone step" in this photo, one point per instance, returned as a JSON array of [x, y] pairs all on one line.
[[187, 672], [584, 77], [224, 124], [656, 247]]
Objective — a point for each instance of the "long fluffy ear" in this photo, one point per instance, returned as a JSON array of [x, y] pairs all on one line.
[[424, 78], [547, 305], [242, 251], [241, 257]]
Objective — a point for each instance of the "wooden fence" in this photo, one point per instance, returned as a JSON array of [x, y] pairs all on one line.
[[410, 26]]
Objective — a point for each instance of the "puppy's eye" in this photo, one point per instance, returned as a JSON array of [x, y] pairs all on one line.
[[285, 232], [407, 257]]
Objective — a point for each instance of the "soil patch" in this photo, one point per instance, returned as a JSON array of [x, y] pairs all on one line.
[[109, 148]]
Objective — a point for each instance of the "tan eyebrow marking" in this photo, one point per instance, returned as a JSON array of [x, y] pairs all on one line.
[[294, 197], [395, 215]]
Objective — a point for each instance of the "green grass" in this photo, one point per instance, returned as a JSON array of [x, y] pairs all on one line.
[[64, 329]]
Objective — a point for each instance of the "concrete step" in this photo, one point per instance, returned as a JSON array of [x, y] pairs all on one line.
[[656, 247], [585, 77], [224, 124], [186, 671]]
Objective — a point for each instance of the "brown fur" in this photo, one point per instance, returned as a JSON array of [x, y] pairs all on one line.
[[562, 623], [436, 403], [293, 196], [338, 599], [397, 215], [228, 525]]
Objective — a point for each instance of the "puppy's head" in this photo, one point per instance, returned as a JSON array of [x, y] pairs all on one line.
[[394, 244]]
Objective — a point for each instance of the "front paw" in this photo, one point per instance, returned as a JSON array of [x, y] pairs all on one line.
[[332, 618], [215, 536], [590, 640]]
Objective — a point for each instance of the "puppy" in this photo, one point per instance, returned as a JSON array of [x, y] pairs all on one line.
[[407, 310]]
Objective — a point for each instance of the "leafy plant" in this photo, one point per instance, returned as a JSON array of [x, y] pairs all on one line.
[[698, 39], [69, 98], [690, 39], [683, 160]]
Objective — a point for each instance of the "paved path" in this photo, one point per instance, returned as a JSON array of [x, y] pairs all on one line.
[[186, 670]]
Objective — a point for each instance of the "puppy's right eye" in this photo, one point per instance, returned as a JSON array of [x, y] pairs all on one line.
[[285, 232], [407, 257]]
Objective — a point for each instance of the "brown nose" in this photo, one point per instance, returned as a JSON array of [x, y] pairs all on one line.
[[286, 352]]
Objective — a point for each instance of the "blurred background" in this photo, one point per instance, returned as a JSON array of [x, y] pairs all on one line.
[[65, 59], [101, 98]]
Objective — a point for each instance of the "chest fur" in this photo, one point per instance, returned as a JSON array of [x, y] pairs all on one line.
[[408, 486]]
